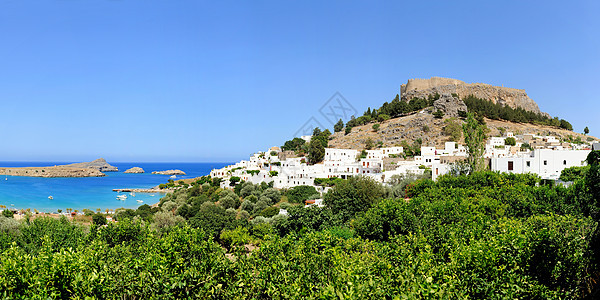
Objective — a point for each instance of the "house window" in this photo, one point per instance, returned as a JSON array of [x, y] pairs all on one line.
[[564, 162], [529, 164], [545, 163], [510, 166]]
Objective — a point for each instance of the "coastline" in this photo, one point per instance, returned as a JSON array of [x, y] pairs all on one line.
[[150, 190], [22, 192], [51, 172]]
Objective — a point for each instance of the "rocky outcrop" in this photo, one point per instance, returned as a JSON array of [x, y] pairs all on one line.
[[135, 170], [450, 105], [169, 172], [56, 171], [422, 88], [99, 164]]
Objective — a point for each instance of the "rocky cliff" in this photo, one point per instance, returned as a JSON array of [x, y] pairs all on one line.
[[422, 88]]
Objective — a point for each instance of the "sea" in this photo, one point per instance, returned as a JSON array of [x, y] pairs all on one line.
[[19, 192]]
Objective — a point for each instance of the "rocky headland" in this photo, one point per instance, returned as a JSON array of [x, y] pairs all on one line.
[[83, 169], [169, 172], [134, 170], [55, 171], [99, 164]]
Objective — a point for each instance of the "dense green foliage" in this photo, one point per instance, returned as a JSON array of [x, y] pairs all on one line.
[[395, 108], [511, 141], [497, 111], [453, 129], [294, 144], [317, 145], [573, 173], [482, 236], [474, 133], [340, 125], [301, 193], [331, 181]]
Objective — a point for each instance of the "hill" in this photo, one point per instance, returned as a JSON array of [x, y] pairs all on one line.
[[99, 164], [423, 125], [412, 115]]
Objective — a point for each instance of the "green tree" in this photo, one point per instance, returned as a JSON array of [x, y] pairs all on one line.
[[165, 220], [510, 141], [99, 219], [338, 126], [316, 152], [353, 195], [234, 180], [316, 147], [453, 129], [348, 130], [376, 127], [301, 193], [474, 133], [573, 173], [438, 114], [586, 130], [566, 125], [229, 199], [592, 175], [293, 145], [212, 219], [8, 213], [383, 117]]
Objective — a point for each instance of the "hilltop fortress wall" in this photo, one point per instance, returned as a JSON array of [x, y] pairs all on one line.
[[421, 88]]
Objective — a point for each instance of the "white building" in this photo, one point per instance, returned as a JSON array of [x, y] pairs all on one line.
[[546, 163], [340, 155]]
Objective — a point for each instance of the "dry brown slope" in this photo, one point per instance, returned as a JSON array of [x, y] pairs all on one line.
[[410, 128]]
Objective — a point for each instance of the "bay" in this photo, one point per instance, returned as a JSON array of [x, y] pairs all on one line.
[[20, 192]]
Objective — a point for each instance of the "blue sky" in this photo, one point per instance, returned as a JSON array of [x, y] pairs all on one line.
[[205, 81]]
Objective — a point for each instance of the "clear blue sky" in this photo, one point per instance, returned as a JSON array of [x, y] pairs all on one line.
[[218, 80]]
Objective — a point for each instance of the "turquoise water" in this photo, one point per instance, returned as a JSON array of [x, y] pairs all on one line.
[[92, 192]]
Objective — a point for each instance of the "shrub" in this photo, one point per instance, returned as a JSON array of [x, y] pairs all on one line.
[[301, 193], [8, 213], [270, 211], [352, 196], [383, 117], [510, 141], [99, 219], [164, 220], [235, 237]]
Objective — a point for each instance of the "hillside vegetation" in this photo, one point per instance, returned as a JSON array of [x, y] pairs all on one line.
[[481, 236], [425, 126]]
